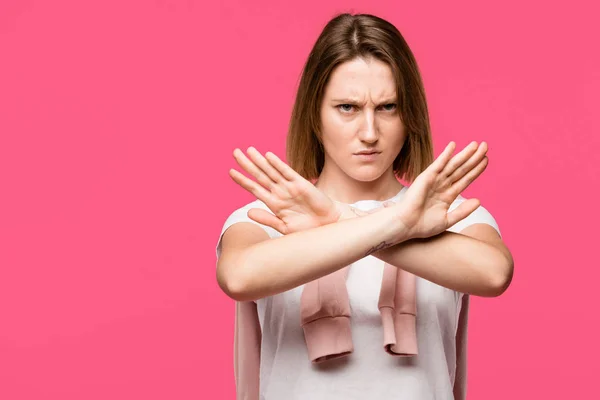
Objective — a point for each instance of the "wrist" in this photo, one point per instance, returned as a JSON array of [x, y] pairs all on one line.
[[398, 232], [348, 212]]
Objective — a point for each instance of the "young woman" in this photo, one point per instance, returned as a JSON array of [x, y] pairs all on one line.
[[337, 267]]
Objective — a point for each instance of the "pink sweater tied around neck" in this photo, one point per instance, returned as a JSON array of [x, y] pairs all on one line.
[[325, 314]]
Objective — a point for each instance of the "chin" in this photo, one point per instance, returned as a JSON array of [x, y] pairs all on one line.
[[366, 175]]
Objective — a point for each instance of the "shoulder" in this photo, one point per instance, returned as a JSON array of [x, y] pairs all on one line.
[[241, 215], [481, 225], [480, 216]]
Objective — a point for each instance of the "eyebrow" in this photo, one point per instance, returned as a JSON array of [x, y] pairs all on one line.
[[355, 101]]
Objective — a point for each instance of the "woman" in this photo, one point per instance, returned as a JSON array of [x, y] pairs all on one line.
[[305, 254]]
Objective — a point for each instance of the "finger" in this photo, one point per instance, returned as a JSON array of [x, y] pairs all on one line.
[[285, 170], [462, 211], [264, 165], [472, 162], [252, 169], [460, 185], [459, 159], [441, 161], [266, 218], [258, 191]]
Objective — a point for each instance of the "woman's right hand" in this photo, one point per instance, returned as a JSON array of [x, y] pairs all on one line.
[[295, 203], [423, 209]]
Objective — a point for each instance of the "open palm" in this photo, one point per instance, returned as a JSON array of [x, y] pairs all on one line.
[[295, 201], [296, 204], [425, 205]]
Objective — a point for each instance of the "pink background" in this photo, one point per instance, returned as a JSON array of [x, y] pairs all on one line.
[[117, 124]]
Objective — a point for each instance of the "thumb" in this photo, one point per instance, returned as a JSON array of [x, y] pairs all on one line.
[[462, 211], [266, 218]]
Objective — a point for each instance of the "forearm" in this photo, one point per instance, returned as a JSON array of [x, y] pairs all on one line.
[[276, 265], [452, 260]]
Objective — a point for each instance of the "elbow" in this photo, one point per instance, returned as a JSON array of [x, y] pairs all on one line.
[[502, 277], [235, 294], [234, 284], [235, 288]]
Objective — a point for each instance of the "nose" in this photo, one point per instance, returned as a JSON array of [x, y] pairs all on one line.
[[368, 129]]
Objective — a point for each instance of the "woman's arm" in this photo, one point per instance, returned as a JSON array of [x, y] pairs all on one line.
[[474, 261], [423, 213], [472, 264], [252, 266]]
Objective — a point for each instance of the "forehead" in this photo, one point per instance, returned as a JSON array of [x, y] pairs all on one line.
[[360, 78]]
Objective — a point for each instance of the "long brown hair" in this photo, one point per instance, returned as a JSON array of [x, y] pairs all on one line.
[[345, 38]]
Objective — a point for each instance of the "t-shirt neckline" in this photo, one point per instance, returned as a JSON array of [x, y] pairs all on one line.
[[382, 201]]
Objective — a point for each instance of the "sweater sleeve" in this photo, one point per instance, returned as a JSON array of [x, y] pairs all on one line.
[[460, 377], [246, 351]]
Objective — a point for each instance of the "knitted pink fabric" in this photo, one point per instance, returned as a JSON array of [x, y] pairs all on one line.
[[325, 314]]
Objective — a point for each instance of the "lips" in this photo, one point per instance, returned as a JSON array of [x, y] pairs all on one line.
[[367, 152], [368, 156]]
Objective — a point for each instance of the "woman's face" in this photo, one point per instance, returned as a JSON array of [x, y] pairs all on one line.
[[359, 112]]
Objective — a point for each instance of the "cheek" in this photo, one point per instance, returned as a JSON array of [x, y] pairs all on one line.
[[331, 119], [396, 132], [334, 129]]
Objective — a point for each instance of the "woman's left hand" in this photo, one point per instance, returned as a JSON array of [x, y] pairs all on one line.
[[295, 201]]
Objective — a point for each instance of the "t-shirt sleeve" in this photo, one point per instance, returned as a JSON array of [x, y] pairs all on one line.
[[241, 215], [480, 215]]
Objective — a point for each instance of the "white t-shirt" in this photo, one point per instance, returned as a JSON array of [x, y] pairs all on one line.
[[369, 372]]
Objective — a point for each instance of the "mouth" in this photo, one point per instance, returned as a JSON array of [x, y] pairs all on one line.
[[370, 156]]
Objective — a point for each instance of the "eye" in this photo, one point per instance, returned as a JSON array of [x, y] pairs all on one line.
[[392, 105], [343, 108]]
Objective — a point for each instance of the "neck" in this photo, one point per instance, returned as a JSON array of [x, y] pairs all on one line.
[[343, 188]]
